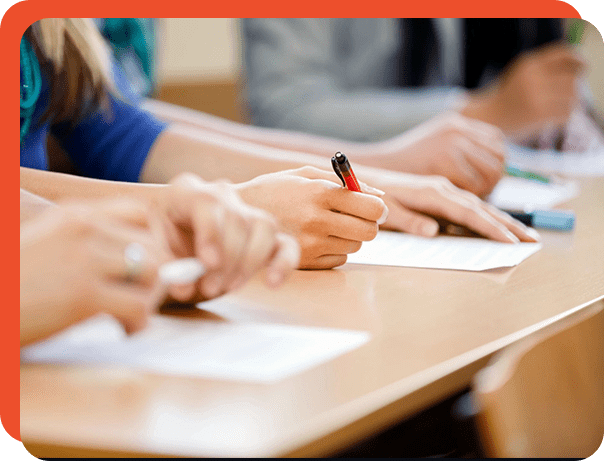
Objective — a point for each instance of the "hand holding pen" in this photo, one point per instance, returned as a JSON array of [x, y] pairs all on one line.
[[229, 240], [418, 203]]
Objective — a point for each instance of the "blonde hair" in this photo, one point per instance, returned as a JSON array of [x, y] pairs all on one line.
[[75, 53]]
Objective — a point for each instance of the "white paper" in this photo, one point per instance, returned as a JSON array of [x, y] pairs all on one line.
[[519, 194], [237, 351], [590, 163], [442, 252]]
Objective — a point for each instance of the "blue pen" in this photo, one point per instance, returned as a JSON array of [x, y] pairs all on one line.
[[560, 220]]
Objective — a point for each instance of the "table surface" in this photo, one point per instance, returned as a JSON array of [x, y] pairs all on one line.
[[431, 330]]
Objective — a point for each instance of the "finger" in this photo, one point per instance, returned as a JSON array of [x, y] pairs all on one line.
[[367, 189], [524, 233], [466, 210], [460, 172], [368, 207], [211, 285], [404, 220], [284, 261], [326, 262], [261, 246], [234, 240], [494, 144], [182, 293], [341, 246], [129, 304], [109, 260], [113, 232], [346, 226], [485, 133], [316, 173], [208, 222], [487, 166]]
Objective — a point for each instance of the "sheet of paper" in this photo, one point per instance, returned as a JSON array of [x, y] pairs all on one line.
[[590, 163], [519, 194], [443, 252], [241, 351]]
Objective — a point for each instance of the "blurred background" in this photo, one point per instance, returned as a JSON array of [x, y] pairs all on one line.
[[199, 64]]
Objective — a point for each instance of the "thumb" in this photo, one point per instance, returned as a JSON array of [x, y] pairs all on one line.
[[371, 190]]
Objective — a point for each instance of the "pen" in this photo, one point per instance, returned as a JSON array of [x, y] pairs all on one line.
[[342, 168], [561, 220], [518, 173], [181, 271]]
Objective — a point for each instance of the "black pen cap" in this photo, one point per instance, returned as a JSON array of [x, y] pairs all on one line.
[[340, 158]]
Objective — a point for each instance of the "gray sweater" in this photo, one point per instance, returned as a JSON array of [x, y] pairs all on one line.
[[337, 77]]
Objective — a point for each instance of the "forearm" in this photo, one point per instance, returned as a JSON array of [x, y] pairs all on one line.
[[32, 205], [214, 156], [58, 186], [270, 137]]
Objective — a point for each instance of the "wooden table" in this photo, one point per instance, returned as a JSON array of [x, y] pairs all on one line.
[[431, 331]]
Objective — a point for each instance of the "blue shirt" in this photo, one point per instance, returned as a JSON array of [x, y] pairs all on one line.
[[111, 144]]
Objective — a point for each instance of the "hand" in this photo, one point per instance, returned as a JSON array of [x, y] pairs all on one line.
[[415, 201], [538, 89], [73, 266], [468, 152], [233, 240], [328, 220]]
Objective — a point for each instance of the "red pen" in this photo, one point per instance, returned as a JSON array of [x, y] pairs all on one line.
[[342, 168]]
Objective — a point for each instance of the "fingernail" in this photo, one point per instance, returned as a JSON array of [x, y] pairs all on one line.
[[429, 229], [384, 216]]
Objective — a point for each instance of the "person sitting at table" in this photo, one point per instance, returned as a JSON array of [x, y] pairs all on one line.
[[67, 89], [368, 79], [85, 257]]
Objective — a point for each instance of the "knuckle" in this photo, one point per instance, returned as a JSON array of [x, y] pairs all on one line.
[[311, 221], [318, 190], [307, 170], [310, 242], [441, 184], [185, 179]]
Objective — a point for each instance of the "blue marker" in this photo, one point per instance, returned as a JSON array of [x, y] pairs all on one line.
[[546, 219]]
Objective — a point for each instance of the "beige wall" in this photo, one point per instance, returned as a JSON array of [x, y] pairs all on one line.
[[198, 49]]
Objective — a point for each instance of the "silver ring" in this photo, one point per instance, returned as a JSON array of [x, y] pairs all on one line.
[[134, 258]]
